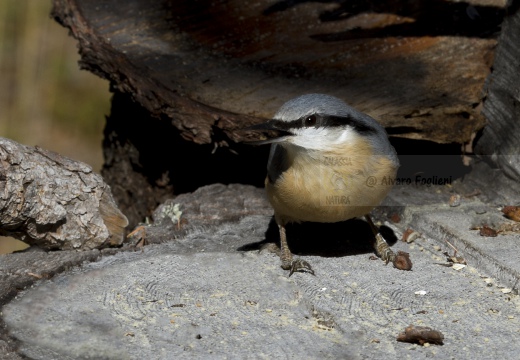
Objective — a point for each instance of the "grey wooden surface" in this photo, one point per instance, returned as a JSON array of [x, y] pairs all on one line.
[[209, 292], [500, 140]]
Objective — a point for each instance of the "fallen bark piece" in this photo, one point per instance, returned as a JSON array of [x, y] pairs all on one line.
[[421, 335], [512, 212], [54, 202], [488, 231], [454, 259], [410, 235]]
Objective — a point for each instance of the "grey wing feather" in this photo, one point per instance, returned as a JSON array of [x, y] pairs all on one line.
[[277, 163]]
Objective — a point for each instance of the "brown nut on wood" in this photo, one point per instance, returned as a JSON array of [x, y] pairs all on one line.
[[402, 261], [421, 335]]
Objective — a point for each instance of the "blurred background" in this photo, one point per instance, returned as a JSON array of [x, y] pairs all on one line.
[[45, 99]]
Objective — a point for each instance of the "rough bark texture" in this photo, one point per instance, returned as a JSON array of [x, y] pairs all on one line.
[[55, 202], [418, 66], [201, 210], [195, 72], [500, 139], [147, 160]]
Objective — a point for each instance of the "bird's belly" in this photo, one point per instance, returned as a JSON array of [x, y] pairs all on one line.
[[329, 194]]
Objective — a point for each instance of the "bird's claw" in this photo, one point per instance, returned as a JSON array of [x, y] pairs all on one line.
[[300, 265]]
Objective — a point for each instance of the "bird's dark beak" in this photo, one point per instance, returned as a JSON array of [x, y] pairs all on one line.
[[274, 130]]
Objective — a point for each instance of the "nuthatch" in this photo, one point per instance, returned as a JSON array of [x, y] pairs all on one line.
[[329, 163]]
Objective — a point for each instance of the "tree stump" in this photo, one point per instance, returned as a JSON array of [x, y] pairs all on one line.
[[191, 73], [186, 77]]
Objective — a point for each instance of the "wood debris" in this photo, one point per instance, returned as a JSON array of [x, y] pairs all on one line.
[[410, 235], [512, 212], [502, 229], [395, 218], [487, 231], [421, 335], [454, 200], [138, 236], [454, 259], [509, 228]]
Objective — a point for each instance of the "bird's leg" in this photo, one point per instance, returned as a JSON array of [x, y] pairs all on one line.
[[381, 246], [400, 261], [285, 253], [286, 256]]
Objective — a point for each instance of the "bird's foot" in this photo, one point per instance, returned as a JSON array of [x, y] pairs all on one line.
[[297, 265], [383, 250], [401, 260]]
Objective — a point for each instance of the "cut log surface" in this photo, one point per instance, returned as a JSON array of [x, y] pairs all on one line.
[[500, 139], [417, 66], [55, 202], [210, 294]]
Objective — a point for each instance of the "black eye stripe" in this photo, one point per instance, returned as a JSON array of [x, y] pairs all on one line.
[[335, 121], [322, 120]]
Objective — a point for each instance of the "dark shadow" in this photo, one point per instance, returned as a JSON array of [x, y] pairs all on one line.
[[429, 160], [351, 237], [156, 150], [430, 18], [147, 160]]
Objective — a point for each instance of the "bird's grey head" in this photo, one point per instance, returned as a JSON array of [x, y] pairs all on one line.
[[323, 122], [311, 104]]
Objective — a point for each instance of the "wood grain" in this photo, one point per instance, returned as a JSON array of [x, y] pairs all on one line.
[[418, 67], [500, 141]]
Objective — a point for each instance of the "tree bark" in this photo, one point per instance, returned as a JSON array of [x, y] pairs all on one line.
[[55, 202], [417, 66], [500, 141], [191, 73]]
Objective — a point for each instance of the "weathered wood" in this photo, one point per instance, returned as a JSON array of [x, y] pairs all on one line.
[[147, 160], [205, 209], [195, 72], [418, 66], [21, 270], [208, 292], [55, 202], [500, 141]]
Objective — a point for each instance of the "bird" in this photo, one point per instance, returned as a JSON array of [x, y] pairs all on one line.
[[328, 163]]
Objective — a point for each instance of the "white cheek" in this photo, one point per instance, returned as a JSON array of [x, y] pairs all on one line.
[[346, 136], [304, 139], [323, 139]]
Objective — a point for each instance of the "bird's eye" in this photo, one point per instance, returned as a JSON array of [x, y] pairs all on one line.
[[310, 120]]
